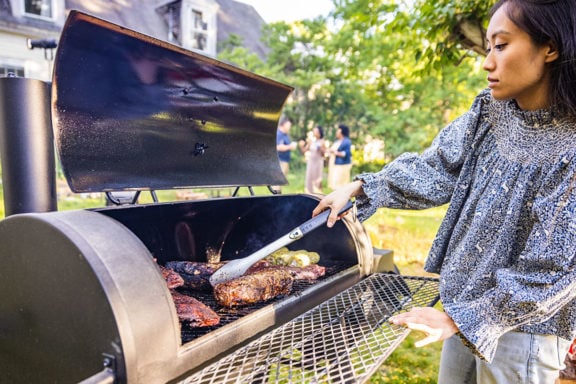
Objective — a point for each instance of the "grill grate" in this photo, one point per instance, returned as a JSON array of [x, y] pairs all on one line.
[[343, 340], [229, 315]]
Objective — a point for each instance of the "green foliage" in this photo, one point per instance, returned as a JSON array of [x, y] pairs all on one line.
[[389, 69], [233, 52], [438, 25]]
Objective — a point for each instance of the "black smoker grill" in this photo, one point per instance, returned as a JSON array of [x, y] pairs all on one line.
[[82, 296]]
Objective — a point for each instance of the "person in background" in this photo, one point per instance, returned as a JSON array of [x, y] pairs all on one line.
[[313, 146], [569, 372], [341, 151], [506, 249], [284, 146]]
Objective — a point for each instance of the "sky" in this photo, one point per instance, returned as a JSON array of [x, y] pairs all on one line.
[[289, 10]]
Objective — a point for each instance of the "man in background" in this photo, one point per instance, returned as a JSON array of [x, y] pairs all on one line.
[[342, 155], [284, 146]]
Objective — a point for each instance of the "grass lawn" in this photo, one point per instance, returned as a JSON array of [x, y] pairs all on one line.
[[408, 233]]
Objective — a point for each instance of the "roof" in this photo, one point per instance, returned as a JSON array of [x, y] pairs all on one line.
[[145, 16], [138, 15], [243, 20]]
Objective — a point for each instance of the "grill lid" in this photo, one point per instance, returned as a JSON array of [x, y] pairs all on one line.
[[134, 113]]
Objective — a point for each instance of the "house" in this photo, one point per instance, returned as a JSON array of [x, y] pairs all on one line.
[[29, 29]]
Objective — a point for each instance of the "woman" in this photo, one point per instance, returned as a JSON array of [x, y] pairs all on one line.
[[314, 146], [506, 249]]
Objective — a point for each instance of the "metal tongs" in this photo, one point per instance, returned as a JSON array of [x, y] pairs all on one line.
[[236, 268]]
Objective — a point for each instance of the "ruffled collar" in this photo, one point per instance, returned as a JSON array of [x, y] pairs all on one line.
[[537, 118], [531, 137]]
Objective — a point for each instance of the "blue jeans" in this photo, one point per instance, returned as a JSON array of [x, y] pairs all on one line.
[[521, 358]]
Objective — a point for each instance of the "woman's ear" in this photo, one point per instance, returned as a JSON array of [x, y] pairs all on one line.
[[551, 52]]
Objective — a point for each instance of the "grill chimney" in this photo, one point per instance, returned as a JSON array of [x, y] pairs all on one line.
[[26, 146]]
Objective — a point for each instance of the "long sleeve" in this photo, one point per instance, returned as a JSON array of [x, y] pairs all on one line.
[[419, 181], [540, 283], [506, 248]]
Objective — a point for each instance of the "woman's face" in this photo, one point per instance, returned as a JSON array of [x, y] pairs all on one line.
[[517, 68], [316, 132]]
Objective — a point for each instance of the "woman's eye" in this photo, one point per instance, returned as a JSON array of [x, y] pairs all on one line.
[[498, 47]]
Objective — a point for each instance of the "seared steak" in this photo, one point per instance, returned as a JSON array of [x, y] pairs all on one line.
[[173, 279], [194, 273], [262, 285], [193, 312], [309, 273]]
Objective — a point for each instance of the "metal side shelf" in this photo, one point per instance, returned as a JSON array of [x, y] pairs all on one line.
[[343, 340]]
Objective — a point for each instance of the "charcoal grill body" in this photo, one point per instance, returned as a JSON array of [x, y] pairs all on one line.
[[72, 303], [86, 289]]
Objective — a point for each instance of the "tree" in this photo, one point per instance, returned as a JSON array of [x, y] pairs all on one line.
[[448, 30], [393, 69]]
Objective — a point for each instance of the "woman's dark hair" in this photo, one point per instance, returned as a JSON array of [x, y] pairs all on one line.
[[550, 21], [320, 131], [345, 130]]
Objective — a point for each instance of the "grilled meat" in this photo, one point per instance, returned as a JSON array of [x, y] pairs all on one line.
[[262, 285], [195, 274], [193, 312], [309, 273], [173, 279]]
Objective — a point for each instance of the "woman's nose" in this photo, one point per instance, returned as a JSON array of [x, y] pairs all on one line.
[[488, 64]]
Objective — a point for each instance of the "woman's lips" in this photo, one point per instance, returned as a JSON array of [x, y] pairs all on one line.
[[491, 82]]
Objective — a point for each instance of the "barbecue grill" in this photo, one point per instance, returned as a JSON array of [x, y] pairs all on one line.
[[84, 299]]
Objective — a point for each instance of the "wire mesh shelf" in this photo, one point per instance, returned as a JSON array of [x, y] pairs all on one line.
[[343, 340]]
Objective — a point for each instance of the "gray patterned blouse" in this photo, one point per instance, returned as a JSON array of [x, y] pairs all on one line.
[[506, 248]]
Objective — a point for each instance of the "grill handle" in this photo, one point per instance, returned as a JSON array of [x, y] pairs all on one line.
[[320, 219], [236, 268], [106, 376]]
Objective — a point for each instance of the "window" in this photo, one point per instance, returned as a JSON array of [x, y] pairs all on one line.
[[199, 41], [198, 27], [199, 23], [41, 8], [199, 31], [11, 69]]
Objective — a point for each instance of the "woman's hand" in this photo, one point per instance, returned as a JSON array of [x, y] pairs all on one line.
[[337, 200], [437, 325]]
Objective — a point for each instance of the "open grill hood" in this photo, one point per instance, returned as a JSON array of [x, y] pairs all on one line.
[[133, 112]]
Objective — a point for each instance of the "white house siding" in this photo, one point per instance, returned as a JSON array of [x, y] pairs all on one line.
[[14, 52]]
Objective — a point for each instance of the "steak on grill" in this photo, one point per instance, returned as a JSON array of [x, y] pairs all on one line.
[[196, 275], [173, 279], [193, 312], [262, 285], [309, 273]]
